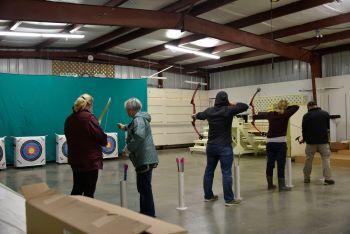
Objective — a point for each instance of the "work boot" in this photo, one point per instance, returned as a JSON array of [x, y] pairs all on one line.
[[328, 182], [282, 185], [270, 185], [307, 180]]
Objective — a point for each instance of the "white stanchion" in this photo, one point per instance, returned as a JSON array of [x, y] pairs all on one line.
[[237, 182], [289, 177], [181, 191], [123, 194]]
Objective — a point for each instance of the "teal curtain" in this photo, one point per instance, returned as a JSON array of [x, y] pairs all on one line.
[[35, 105]]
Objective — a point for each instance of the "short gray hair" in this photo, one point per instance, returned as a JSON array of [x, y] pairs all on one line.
[[133, 104]]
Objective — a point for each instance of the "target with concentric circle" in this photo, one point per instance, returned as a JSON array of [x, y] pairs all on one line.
[[31, 150], [110, 147], [65, 149]]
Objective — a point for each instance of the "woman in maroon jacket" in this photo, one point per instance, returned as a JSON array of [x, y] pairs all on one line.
[[85, 139], [276, 146]]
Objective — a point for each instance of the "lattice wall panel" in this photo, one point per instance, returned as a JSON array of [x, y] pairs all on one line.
[[267, 103], [82, 69]]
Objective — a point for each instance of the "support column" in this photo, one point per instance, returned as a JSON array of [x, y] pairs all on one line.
[[316, 72]]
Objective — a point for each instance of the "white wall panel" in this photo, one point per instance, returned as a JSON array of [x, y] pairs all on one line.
[[171, 110]]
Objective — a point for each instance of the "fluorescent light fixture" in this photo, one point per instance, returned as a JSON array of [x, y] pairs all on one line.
[[181, 49], [196, 83], [206, 42], [76, 28], [45, 23], [333, 8], [173, 33], [16, 25], [154, 77], [41, 35]]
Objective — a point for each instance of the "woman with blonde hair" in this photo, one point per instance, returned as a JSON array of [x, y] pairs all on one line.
[[85, 139], [276, 146]]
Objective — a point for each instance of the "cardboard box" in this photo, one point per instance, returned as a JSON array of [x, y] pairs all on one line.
[[335, 146], [49, 211]]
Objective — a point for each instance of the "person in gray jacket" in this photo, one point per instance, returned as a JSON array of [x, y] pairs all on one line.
[[142, 152]]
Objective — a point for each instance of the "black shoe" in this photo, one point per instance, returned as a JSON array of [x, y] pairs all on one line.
[[328, 182], [212, 199], [270, 185], [307, 181], [282, 185]]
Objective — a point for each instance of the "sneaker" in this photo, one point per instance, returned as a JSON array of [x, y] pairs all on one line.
[[328, 182], [307, 181], [212, 199], [233, 202]]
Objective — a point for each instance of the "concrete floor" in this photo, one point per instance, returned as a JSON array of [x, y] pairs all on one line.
[[312, 208]]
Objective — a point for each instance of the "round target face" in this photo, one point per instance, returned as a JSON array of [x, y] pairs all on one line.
[[1, 153], [65, 149], [111, 145], [31, 150]]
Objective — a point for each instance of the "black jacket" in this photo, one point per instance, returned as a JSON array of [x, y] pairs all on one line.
[[316, 126], [220, 119]]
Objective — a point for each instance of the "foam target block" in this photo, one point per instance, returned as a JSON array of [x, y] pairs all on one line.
[[30, 151], [61, 149], [2, 153], [111, 149]]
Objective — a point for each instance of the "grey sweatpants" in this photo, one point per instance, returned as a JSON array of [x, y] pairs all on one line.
[[325, 152]]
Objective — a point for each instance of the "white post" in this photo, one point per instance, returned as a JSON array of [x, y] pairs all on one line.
[[289, 176], [123, 196], [181, 191], [237, 183]]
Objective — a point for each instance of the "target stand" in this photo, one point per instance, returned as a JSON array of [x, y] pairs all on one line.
[[2, 153], [111, 149], [29, 151], [61, 149]]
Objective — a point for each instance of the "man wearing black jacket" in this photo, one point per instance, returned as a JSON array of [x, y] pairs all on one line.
[[219, 146], [315, 133]]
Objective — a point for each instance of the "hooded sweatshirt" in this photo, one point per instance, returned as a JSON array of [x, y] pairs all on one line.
[[140, 142], [220, 119]]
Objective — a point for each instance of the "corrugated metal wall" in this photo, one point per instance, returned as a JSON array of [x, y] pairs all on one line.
[[332, 65], [336, 64], [263, 74], [26, 66]]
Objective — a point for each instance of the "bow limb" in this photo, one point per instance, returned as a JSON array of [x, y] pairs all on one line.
[[105, 109], [200, 136], [251, 104]]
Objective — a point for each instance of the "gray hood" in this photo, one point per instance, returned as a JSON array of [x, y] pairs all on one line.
[[144, 115]]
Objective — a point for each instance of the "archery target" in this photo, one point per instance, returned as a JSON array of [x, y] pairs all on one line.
[[30, 151], [61, 149], [111, 149], [2, 153]]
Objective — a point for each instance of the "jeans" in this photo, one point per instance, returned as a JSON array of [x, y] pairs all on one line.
[[276, 151], [325, 152], [144, 187], [224, 154], [84, 183]]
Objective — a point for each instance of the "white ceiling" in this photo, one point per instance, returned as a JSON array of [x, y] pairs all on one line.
[[233, 11]]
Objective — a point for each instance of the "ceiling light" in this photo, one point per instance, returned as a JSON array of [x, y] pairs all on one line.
[[43, 35], [181, 49], [206, 42], [318, 33], [333, 8], [45, 23], [16, 25], [174, 33]]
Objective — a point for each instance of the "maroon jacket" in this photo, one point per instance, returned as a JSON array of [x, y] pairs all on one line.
[[85, 139], [278, 123]]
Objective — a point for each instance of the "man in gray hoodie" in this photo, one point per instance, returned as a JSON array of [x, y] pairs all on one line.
[[142, 152]]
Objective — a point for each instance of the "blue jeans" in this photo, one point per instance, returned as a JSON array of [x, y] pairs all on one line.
[[276, 151], [144, 187], [224, 154]]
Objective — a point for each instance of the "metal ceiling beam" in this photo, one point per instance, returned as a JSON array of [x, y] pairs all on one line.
[[67, 29], [318, 24], [47, 11], [246, 21], [173, 7], [195, 11], [82, 57], [301, 43]]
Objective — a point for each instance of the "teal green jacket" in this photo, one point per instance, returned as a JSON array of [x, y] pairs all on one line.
[[140, 142]]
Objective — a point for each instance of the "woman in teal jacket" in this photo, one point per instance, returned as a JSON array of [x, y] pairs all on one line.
[[142, 152]]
